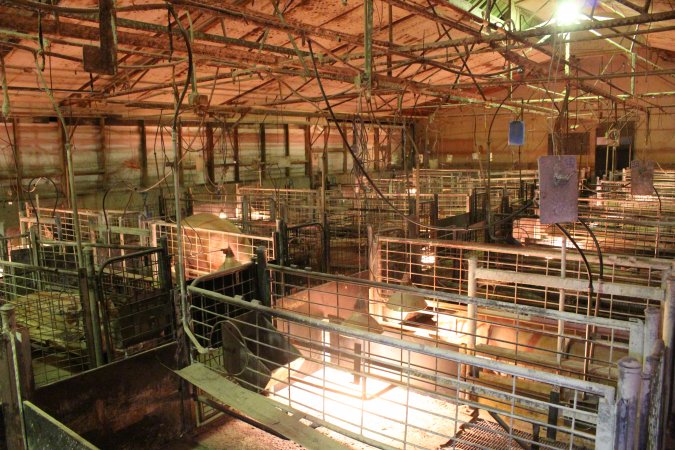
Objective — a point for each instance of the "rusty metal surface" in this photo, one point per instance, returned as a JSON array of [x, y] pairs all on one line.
[[558, 187], [642, 177], [45, 432]]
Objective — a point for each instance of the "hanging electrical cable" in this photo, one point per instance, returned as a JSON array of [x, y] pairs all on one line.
[[359, 164], [176, 163], [597, 246], [583, 257]]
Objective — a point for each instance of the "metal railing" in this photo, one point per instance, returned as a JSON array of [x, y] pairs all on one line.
[[49, 303], [443, 266], [388, 386], [135, 302], [95, 226], [76, 316], [628, 236], [206, 251], [294, 206]]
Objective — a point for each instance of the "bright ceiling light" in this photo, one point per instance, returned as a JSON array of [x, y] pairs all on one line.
[[568, 12]]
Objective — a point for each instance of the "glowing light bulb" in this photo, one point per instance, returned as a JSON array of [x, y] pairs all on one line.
[[428, 259], [568, 12], [222, 214]]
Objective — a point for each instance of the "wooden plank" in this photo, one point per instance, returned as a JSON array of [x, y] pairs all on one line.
[[257, 407]]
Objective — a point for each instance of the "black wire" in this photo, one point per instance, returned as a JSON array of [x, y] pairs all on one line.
[[597, 246], [30, 198], [188, 78], [105, 212], [658, 196], [357, 161], [583, 256], [489, 166]]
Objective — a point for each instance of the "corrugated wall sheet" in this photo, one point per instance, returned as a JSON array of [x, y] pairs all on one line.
[[111, 155]]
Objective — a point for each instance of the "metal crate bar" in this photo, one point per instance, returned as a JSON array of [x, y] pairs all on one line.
[[400, 393], [205, 249], [526, 335], [443, 266]]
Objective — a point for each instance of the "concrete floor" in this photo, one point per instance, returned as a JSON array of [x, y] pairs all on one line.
[[228, 433]]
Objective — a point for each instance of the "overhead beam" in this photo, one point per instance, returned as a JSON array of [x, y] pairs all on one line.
[[513, 57], [546, 30]]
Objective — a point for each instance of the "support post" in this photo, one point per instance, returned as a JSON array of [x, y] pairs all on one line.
[[650, 366], [433, 220], [471, 309], [645, 400], [10, 388], [165, 264], [368, 46], [263, 277], [630, 370], [657, 403], [209, 162], [18, 163], [143, 154], [263, 153], [235, 154], [651, 333], [667, 333], [93, 313], [281, 243], [308, 155], [561, 300], [287, 150]]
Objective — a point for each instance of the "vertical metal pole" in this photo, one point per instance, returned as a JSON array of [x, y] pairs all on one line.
[[471, 309], [368, 46], [273, 209], [644, 401], [656, 404], [164, 264], [35, 256], [281, 253], [180, 265], [605, 434], [630, 370], [561, 300], [667, 333], [263, 277], [11, 395], [651, 333], [92, 298], [89, 295], [73, 199], [650, 365]]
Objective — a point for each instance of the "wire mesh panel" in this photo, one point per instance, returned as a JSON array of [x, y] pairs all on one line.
[[306, 246], [443, 266], [49, 304], [628, 236], [294, 206], [207, 251], [384, 389], [58, 224], [136, 304], [528, 335], [206, 316], [225, 206]]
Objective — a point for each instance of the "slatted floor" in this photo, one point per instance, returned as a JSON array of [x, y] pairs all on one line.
[[483, 434]]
